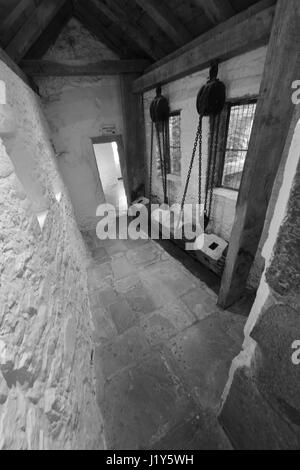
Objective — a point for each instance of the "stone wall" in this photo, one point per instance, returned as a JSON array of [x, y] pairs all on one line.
[[47, 392], [242, 76], [261, 407], [77, 108]]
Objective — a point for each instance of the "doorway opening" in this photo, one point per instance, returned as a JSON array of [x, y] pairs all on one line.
[[109, 154]]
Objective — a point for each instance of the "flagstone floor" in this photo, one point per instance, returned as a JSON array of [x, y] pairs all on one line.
[[163, 348]]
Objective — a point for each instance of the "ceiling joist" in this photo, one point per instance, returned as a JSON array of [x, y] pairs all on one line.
[[46, 68]]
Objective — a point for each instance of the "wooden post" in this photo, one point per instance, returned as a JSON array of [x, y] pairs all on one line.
[[270, 129], [133, 118]]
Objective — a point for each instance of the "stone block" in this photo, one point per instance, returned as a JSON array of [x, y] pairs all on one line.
[[4, 390], [275, 332], [249, 420], [283, 275]]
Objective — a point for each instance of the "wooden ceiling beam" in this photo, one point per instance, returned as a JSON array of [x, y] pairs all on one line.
[[51, 32], [137, 35], [46, 68], [221, 43], [11, 24], [166, 20], [91, 21], [216, 11], [33, 28]]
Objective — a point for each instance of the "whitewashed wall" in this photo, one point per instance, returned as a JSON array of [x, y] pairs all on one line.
[[77, 108]]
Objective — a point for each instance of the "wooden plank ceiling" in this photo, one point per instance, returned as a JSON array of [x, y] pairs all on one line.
[[133, 29]]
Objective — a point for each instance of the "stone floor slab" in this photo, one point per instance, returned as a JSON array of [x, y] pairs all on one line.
[[201, 302], [139, 300], [123, 316], [123, 352], [203, 354], [121, 267], [167, 322], [202, 432], [142, 404], [162, 348]]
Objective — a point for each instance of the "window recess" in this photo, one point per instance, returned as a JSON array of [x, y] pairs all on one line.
[[231, 141]]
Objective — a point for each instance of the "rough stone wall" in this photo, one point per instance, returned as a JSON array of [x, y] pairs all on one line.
[[262, 399], [77, 108], [47, 393], [242, 76]]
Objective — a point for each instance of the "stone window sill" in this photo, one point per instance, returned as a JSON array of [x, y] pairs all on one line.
[[226, 193]]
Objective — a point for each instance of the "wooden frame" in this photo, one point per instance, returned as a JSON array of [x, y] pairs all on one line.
[[270, 129], [223, 136], [106, 139], [46, 68]]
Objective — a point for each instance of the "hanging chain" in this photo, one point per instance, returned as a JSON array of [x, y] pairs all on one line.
[[209, 168], [198, 138], [151, 163], [200, 167], [162, 159], [214, 161]]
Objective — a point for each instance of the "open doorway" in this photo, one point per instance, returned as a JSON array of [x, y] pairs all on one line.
[[109, 155]]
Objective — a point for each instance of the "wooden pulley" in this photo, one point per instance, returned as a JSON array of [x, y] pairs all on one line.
[[159, 108], [212, 96]]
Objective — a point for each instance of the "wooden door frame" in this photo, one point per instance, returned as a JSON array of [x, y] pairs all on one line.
[[107, 139]]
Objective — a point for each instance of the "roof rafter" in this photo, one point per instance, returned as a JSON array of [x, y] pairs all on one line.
[[245, 32], [136, 34], [166, 20], [216, 10], [33, 28], [93, 21], [11, 24], [51, 32]]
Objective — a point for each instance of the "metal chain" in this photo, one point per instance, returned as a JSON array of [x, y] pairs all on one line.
[[214, 162], [162, 161], [200, 166], [151, 163], [198, 138], [164, 137], [209, 168]]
